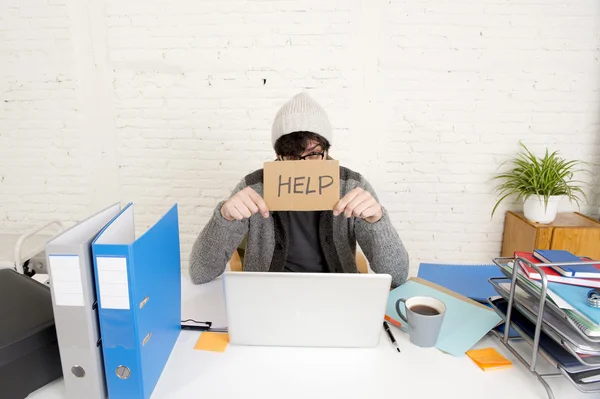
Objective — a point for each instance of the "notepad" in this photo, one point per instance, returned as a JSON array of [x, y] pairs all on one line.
[[212, 341], [563, 256], [488, 359]]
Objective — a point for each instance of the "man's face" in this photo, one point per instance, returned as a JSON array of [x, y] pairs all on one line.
[[312, 152]]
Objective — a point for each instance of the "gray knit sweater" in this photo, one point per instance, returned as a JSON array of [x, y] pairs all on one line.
[[266, 248]]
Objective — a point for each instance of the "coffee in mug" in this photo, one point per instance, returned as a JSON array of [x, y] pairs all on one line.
[[424, 318], [424, 310]]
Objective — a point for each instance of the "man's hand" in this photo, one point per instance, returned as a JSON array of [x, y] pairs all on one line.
[[244, 204], [361, 204]]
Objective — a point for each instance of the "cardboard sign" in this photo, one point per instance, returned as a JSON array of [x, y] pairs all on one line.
[[301, 185]]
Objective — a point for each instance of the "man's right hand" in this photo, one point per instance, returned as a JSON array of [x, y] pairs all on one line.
[[244, 204]]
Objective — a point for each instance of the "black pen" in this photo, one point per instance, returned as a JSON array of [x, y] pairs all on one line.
[[386, 327]]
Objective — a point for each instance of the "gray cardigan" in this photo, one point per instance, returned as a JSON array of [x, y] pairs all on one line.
[[267, 242]]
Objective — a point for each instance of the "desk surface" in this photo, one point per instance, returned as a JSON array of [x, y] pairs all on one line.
[[271, 372]]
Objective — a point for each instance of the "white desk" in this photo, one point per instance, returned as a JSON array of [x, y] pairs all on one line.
[[269, 372]]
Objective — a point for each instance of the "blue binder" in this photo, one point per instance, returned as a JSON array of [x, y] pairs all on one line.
[[139, 301]]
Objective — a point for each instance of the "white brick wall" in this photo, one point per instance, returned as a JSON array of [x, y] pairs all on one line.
[[174, 100], [39, 140]]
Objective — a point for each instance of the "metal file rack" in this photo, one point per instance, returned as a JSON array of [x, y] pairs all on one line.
[[566, 336]]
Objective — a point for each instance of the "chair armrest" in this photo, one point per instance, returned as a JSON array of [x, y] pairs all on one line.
[[235, 263]]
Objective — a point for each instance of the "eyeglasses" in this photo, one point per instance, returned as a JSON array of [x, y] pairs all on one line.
[[313, 156]]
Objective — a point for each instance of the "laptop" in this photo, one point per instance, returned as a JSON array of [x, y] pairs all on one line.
[[305, 309]]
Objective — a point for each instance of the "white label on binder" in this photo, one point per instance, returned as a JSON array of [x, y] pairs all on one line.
[[113, 283], [66, 280]]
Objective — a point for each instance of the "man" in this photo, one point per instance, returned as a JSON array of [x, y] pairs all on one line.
[[320, 241]]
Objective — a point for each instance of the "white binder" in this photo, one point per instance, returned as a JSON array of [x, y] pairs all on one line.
[[72, 284]]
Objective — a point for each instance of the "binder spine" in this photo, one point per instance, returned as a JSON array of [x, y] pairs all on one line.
[[117, 316], [121, 358]]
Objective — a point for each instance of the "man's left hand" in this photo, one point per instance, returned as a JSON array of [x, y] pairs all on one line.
[[361, 204]]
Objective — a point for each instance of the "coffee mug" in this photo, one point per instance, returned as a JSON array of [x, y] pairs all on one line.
[[424, 317]]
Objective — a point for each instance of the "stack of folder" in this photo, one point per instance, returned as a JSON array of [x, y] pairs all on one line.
[[568, 296], [552, 347], [117, 302]]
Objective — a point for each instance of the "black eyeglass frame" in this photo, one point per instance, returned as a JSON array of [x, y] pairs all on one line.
[[303, 158]]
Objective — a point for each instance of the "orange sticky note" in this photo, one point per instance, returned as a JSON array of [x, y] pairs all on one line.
[[488, 359], [212, 341]]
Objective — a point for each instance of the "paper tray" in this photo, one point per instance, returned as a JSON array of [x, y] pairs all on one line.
[[591, 387], [550, 357], [586, 387], [555, 327], [549, 304]]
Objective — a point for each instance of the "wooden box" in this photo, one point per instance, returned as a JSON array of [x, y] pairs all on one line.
[[571, 231]]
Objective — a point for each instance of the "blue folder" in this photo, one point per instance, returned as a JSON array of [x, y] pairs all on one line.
[[139, 301], [471, 281], [576, 296]]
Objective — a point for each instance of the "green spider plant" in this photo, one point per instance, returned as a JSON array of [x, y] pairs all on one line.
[[543, 177]]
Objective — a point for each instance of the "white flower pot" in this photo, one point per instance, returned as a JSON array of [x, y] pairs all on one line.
[[536, 210]]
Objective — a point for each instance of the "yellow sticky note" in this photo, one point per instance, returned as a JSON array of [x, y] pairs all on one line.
[[212, 341], [488, 359]]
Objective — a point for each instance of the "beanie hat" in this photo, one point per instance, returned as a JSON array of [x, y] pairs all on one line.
[[301, 113]]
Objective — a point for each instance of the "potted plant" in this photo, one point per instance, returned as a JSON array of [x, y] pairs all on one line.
[[541, 183]]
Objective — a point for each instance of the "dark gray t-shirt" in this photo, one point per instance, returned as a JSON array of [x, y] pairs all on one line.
[[304, 249]]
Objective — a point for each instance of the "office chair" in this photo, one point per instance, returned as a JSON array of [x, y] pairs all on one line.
[[235, 263]]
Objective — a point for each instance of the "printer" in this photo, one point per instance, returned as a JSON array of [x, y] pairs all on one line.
[[29, 354]]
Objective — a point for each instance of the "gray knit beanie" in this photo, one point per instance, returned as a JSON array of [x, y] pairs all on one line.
[[301, 113]]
